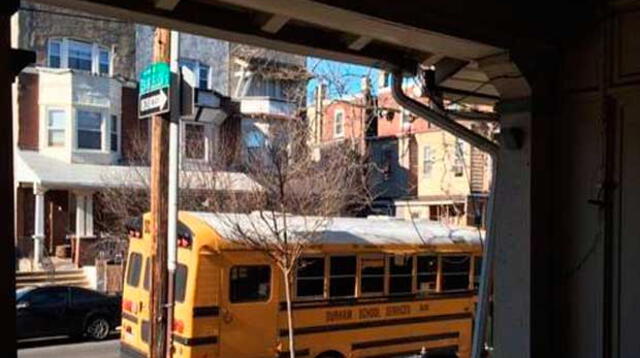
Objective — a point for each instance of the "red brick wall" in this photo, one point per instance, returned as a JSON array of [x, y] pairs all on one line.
[[134, 131], [353, 121], [28, 111]]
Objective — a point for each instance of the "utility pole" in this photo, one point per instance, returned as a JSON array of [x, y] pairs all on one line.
[[159, 207]]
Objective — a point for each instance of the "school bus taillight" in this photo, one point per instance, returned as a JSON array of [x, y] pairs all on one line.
[[127, 305], [178, 326]]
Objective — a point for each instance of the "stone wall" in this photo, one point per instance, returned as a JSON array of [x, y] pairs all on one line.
[[38, 23]]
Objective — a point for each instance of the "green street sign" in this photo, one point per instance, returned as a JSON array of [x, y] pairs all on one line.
[[155, 83], [156, 76]]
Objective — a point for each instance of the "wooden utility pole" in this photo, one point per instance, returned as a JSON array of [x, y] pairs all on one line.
[[159, 207]]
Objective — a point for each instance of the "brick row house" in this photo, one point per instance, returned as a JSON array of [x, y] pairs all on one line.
[[419, 170], [78, 131]]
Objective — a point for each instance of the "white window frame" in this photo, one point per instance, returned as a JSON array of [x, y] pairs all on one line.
[[103, 141], [48, 128], [184, 141], [96, 49], [336, 133]]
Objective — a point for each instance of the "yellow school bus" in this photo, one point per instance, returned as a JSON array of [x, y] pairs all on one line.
[[368, 287]]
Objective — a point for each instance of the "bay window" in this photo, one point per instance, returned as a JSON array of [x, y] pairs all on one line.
[[78, 55], [89, 127]]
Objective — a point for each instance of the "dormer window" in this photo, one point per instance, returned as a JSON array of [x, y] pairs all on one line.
[[79, 55]]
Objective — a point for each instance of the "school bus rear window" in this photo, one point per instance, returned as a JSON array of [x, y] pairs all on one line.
[[147, 274], [181, 282], [250, 283], [135, 266]]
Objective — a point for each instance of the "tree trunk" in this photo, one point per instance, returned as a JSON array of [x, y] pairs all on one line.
[[287, 293]]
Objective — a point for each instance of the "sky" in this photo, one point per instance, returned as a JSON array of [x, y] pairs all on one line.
[[341, 78]]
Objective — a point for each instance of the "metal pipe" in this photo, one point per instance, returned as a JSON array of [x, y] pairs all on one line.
[[488, 147], [174, 170], [440, 120], [480, 323]]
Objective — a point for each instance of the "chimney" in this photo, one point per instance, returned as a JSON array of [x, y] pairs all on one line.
[[365, 84]]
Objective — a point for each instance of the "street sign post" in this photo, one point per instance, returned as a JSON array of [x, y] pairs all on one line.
[[155, 90]]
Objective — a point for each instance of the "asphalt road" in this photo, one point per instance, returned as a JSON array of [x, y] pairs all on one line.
[[66, 348]]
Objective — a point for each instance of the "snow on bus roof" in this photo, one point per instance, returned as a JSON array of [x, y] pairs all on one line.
[[378, 230]]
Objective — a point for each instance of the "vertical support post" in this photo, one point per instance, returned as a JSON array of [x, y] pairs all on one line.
[[159, 207], [38, 230], [174, 170]]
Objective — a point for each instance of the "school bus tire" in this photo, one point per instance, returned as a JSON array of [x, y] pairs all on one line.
[[330, 354]]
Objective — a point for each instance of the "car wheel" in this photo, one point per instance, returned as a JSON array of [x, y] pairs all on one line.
[[98, 328]]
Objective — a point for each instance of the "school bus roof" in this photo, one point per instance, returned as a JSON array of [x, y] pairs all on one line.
[[376, 231]]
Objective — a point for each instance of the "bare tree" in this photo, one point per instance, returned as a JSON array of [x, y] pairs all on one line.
[[296, 199]]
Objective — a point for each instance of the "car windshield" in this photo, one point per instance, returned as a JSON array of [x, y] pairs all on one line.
[[21, 293]]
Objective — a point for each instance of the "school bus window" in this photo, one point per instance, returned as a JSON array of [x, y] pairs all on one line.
[[146, 281], [135, 265], [310, 277], [372, 275], [250, 283], [477, 270], [455, 273], [181, 282], [427, 273], [342, 276], [400, 276]]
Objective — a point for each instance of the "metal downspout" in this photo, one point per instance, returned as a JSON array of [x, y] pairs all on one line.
[[489, 147]]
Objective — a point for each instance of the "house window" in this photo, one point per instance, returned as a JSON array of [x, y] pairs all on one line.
[[400, 274], [56, 124], [372, 275], [55, 53], [89, 129], [201, 72], [254, 141], [458, 163], [310, 277], [338, 124], [104, 61], [114, 133], [406, 121], [195, 141], [427, 161], [78, 55], [342, 280], [203, 76]]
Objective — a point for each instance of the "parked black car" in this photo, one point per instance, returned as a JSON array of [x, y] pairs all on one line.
[[64, 310]]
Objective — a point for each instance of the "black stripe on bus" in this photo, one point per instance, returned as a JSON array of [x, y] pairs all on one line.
[[446, 351], [206, 311], [128, 351], [129, 317], [299, 305], [299, 353], [195, 341], [404, 340], [372, 324]]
